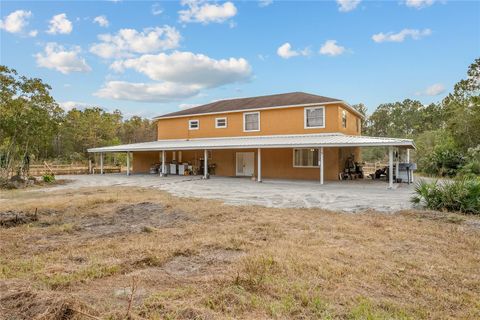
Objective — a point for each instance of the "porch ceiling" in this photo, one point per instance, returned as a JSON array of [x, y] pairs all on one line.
[[275, 141]]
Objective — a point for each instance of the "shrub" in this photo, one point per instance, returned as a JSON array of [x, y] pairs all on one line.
[[472, 166], [48, 178], [462, 194]]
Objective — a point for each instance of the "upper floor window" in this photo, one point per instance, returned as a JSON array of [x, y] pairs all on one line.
[[193, 124], [359, 125], [220, 122], [344, 119], [251, 121], [314, 117]]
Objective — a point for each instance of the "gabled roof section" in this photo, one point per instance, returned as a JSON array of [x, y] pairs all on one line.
[[255, 103]]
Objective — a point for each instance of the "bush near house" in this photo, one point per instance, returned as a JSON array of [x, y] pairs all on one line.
[[461, 194]]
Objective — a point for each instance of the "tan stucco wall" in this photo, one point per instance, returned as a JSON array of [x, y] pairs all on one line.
[[142, 161], [273, 121], [276, 163]]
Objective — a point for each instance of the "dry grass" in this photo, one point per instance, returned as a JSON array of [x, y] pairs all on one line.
[[199, 259]]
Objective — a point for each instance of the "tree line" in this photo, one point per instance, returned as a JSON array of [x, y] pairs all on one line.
[[447, 133], [33, 127]]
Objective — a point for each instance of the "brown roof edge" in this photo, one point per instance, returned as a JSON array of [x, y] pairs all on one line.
[[284, 100]]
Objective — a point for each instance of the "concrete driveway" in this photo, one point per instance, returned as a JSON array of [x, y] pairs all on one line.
[[350, 196]]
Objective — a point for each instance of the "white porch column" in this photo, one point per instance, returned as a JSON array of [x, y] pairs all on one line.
[[320, 163], [101, 162], [390, 167], [205, 164], [128, 163], [163, 164], [259, 165], [397, 171], [411, 171]]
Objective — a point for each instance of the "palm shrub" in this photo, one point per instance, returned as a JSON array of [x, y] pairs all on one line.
[[461, 194]]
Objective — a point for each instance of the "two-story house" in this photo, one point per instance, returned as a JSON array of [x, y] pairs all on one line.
[[286, 136]]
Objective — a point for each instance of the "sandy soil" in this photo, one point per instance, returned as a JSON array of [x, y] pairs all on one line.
[[349, 196], [95, 251]]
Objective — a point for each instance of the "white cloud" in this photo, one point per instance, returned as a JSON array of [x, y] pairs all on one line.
[[331, 48], [415, 34], [184, 106], [433, 90], [285, 51], [264, 3], [347, 5], [419, 4], [60, 24], [204, 12], [188, 68], [102, 21], [262, 57], [179, 74], [146, 92], [69, 105], [156, 9], [33, 33], [129, 41], [16, 21], [58, 58]]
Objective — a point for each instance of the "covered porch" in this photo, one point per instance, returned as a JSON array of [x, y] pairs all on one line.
[[320, 157]]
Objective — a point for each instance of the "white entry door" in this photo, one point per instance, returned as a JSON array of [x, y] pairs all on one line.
[[245, 163]]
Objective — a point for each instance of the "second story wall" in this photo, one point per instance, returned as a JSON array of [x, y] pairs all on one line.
[[272, 122]]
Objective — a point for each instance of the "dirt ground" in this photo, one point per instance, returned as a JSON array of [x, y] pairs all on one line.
[[127, 252]]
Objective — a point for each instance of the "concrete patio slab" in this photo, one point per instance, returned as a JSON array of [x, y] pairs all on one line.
[[349, 196]]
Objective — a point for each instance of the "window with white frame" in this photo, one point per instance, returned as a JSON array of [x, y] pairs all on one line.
[[193, 124], [251, 121], [220, 122], [344, 119], [305, 158], [314, 117]]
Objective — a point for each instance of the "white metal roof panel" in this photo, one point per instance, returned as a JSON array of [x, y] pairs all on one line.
[[274, 141]]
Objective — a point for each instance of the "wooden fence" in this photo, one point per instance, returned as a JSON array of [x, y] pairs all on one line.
[[371, 167], [74, 168]]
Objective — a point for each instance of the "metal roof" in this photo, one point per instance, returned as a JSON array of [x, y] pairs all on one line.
[[274, 141], [260, 102]]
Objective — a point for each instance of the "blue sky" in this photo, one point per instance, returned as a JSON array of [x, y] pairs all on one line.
[[149, 58]]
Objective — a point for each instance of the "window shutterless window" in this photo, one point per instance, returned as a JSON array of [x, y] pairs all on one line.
[[220, 122], [314, 117], [193, 124], [344, 118], [305, 158], [251, 121]]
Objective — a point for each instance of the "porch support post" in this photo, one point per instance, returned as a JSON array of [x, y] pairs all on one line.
[[205, 164], [259, 165], [128, 163], [397, 162], [408, 155], [390, 167], [101, 162], [162, 174], [320, 163]]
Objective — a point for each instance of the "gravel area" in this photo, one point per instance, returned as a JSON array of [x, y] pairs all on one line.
[[349, 196]]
